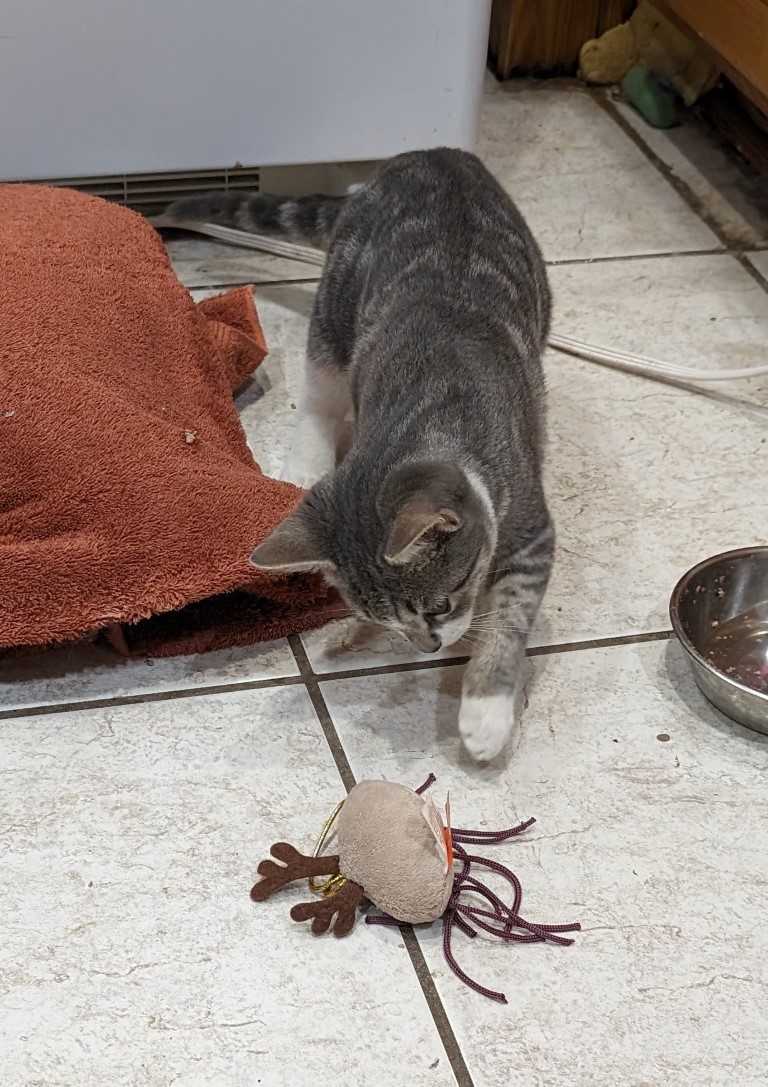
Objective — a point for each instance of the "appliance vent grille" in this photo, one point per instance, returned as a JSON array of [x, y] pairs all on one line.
[[151, 193]]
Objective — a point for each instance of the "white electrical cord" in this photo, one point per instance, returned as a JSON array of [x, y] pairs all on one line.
[[604, 356], [638, 364]]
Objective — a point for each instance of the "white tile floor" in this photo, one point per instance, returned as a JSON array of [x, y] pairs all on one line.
[[130, 829]]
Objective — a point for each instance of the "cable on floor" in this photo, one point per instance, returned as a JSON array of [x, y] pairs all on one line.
[[603, 356]]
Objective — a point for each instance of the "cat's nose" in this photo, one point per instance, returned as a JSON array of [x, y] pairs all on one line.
[[425, 641]]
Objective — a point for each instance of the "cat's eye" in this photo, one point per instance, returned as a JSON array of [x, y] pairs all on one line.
[[440, 607]]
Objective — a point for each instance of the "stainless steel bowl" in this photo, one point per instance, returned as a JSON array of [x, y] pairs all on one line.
[[719, 611]]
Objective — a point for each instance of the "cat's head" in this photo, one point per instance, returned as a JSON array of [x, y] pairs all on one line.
[[411, 554]]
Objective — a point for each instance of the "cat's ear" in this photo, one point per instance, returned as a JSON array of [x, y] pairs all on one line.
[[292, 547], [416, 529]]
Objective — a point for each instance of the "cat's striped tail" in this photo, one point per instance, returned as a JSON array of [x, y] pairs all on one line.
[[308, 219]]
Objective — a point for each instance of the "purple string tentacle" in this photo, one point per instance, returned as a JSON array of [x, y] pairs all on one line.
[[501, 920], [464, 925], [381, 919], [541, 932], [501, 870], [500, 910], [505, 915], [423, 788], [448, 923], [536, 933], [492, 930], [489, 837]]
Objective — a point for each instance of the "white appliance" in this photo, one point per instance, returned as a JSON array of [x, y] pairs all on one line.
[[122, 87]]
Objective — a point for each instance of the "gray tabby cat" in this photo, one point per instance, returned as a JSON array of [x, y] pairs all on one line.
[[429, 323]]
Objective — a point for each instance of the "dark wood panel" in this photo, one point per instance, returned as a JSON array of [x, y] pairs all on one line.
[[545, 36]]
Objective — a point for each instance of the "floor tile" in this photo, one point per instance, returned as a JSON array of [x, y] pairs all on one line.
[[652, 815], [703, 310], [200, 262], [82, 673], [585, 187], [131, 953], [725, 188], [759, 261], [645, 480]]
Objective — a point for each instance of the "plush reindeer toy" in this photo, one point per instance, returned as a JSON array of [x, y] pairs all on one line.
[[396, 850]]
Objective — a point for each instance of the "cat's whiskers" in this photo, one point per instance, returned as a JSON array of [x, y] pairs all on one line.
[[498, 628], [492, 647], [501, 570]]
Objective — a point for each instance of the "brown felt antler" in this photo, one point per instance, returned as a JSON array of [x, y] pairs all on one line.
[[294, 866], [341, 905]]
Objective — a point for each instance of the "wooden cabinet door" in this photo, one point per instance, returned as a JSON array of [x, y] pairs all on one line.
[[735, 33]]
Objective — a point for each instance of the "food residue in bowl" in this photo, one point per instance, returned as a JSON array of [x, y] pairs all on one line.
[[739, 648]]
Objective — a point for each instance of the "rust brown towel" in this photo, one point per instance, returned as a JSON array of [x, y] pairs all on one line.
[[129, 501]]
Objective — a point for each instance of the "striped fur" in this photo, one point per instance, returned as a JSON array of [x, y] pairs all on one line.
[[306, 220], [430, 320]]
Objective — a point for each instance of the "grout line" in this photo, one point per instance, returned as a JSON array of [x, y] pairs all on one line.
[[533, 651], [416, 955], [619, 258], [310, 681], [389, 669], [285, 282], [150, 696], [715, 252], [601, 643], [681, 187], [750, 268], [309, 678], [436, 1008], [739, 252], [566, 262]]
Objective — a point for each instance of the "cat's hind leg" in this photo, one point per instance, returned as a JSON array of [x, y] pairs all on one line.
[[492, 694], [323, 406]]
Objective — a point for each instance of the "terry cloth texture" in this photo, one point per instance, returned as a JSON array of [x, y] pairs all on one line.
[[129, 500]]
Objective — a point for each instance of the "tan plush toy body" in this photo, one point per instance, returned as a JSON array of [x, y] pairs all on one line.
[[395, 849], [388, 846], [650, 40]]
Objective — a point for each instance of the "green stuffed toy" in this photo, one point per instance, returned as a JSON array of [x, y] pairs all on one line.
[[648, 56]]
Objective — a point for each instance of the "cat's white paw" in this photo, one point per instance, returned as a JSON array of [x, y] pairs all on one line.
[[486, 724]]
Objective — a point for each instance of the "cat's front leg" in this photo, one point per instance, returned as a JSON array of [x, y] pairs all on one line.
[[323, 404], [492, 694]]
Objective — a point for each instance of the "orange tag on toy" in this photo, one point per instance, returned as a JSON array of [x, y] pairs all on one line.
[[435, 823], [441, 832], [447, 829]]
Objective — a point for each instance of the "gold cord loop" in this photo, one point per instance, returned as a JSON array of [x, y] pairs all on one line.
[[334, 883]]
